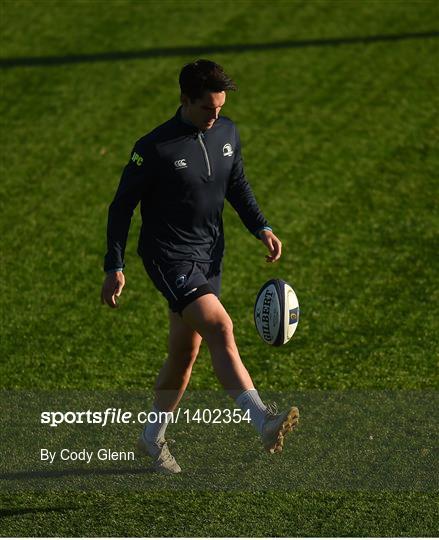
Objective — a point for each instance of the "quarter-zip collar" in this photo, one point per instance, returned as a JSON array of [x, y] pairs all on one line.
[[198, 134]]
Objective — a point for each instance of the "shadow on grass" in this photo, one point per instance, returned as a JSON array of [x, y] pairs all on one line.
[[8, 512], [28, 475], [207, 49]]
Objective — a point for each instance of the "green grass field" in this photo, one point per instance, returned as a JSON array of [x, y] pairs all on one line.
[[341, 145]]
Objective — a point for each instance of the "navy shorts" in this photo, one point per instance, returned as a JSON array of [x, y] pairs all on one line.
[[182, 282]]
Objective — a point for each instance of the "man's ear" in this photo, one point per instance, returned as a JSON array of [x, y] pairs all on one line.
[[184, 99]]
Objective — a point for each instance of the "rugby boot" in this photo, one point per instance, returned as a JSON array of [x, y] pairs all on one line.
[[276, 426], [163, 461]]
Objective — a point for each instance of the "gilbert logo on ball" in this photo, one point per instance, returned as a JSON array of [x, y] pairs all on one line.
[[276, 312]]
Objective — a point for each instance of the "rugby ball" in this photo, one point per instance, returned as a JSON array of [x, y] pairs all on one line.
[[276, 312]]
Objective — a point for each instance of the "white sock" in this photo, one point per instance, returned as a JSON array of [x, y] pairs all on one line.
[[155, 431], [250, 401]]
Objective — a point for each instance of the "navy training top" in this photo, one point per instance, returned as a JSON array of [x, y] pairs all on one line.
[[181, 176]]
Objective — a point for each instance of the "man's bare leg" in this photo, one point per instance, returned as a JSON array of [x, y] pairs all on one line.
[[173, 378], [207, 316]]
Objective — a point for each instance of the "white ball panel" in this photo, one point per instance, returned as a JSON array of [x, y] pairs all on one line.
[[291, 312]]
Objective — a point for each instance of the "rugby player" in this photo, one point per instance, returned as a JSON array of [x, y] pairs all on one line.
[[181, 173]]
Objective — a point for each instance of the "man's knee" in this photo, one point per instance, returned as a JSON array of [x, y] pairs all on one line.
[[178, 367], [184, 356], [209, 318], [220, 329]]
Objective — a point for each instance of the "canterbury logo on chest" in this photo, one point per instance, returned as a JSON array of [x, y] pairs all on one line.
[[183, 164], [180, 164]]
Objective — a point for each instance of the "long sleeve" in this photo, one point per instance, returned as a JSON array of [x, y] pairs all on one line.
[[241, 197], [128, 195]]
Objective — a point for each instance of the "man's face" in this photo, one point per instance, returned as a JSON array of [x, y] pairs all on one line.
[[204, 111]]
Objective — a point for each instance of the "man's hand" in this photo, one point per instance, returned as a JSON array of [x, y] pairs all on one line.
[[273, 244], [112, 288]]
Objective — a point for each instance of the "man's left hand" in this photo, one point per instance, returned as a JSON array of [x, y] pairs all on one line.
[[273, 244]]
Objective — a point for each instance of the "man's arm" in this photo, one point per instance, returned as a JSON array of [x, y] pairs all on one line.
[[128, 195], [241, 197]]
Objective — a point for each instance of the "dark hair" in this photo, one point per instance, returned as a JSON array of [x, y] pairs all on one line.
[[203, 76]]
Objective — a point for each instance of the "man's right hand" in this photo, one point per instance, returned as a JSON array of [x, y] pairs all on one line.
[[112, 287]]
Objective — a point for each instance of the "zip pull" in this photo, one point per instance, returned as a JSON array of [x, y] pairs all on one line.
[[206, 156]]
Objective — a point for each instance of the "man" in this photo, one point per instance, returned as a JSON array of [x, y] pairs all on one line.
[[181, 173]]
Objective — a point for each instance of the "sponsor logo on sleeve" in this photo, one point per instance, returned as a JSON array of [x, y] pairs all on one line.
[[137, 159]]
